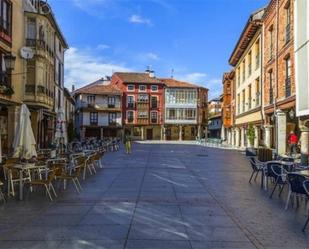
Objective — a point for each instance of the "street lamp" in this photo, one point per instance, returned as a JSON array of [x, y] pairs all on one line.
[[9, 61]]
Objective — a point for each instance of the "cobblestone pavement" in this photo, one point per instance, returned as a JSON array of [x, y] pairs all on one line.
[[161, 196]]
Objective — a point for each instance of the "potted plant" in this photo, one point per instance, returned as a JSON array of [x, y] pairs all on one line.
[[250, 151]]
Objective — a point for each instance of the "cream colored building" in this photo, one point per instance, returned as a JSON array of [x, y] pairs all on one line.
[[246, 59], [44, 72]]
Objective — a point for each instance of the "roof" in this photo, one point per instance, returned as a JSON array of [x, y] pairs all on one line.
[[96, 88], [143, 78], [254, 23], [172, 83]]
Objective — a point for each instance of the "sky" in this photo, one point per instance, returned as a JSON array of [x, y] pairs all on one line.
[[191, 38]]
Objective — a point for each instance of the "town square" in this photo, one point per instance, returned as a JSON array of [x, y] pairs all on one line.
[[154, 124]]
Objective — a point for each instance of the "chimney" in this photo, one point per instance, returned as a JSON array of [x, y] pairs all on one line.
[[73, 88]]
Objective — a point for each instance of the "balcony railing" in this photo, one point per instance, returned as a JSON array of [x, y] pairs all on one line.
[[111, 105], [5, 27], [131, 105], [288, 87], [35, 43], [154, 120], [288, 33], [271, 96], [30, 89]]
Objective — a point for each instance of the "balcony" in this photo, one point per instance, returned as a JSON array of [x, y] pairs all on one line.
[[39, 44], [39, 94], [288, 87], [271, 96], [142, 121], [111, 106]]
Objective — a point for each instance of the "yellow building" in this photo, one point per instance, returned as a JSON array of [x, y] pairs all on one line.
[[11, 66], [246, 60], [44, 72]]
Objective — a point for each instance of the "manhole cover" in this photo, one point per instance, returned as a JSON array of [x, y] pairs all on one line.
[[202, 155]]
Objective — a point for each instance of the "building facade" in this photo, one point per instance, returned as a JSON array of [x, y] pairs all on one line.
[[11, 66], [228, 107], [98, 110], [301, 48], [143, 104], [69, 113], [43, 91], [246, 60], [185, 109], [279, 74]]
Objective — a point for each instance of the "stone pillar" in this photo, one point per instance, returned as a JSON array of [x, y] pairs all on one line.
[[242, 142], [206, 132], [237, 142], [267, 141], [281, 132], [13, 119], [199, 132], [101, 133], [229, 137], [142, 133], [83, 133], [223, 133], [180, 133], [163, 136], [304, 144], [256, 136]]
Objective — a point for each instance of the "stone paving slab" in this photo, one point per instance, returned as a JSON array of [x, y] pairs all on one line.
[[161, 196]]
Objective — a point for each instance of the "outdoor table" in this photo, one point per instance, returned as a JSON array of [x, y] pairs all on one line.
[[304, 173], [21, 168]]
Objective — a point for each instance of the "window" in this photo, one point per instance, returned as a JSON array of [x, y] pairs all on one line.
[[154, 117], [91, 99], [257, 54], [142, 114], [142, 88], [6, 12], [271, 97], [243, 70], [288, 23], [271, 45], [112, 118], [59, 98], [238, 76], [249, 63], [249, 97], [130, 116], [288, 76], [93, 118], [31, 29], [130, 88], [154, 102], [143, 98], [257, 90], [130, 101], [238, 103], [111, 102], [171, 114], [243, 100], [190, 114], [154, 88]]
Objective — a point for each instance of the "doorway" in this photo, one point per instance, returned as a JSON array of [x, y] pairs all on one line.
[[149, 134]]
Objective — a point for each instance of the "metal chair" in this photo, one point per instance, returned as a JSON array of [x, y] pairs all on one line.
[[280, 174], [1, 193], [306, 188], [296, 188], [256, 166]]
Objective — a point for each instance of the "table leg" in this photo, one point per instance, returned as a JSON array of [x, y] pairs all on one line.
[[21, 185]]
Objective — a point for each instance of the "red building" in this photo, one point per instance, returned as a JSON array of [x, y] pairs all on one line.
[[143, 104]]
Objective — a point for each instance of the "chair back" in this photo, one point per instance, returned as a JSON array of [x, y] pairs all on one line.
[[253, 163], [279, 172], [306, 187], [269, 170], [296, 183]]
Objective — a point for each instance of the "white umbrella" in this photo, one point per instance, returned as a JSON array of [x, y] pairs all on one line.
[[24, 141], [61, 129]]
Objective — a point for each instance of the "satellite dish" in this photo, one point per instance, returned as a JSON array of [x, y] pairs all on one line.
[[26, 53]]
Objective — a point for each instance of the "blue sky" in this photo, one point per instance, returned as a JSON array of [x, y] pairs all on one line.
[[193, 37]]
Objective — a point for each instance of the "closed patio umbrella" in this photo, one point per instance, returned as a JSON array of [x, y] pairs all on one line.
[[24, 142], [61, 129]]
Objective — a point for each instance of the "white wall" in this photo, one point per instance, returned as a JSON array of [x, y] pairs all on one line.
[[102, 119], [301, 33]]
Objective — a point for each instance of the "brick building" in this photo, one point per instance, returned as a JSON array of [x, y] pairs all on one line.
[[143, 104], [228, 117], [279, 80]]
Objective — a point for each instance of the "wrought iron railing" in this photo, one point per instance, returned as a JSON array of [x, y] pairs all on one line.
[[287, 33]]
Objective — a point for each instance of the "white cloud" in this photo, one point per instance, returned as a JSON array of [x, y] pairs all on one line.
[[136, 19], [152, 56], [196, 77], [102, 46], [81, 67]]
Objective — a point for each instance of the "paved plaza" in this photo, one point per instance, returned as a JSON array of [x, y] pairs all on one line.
[[160, 197]]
